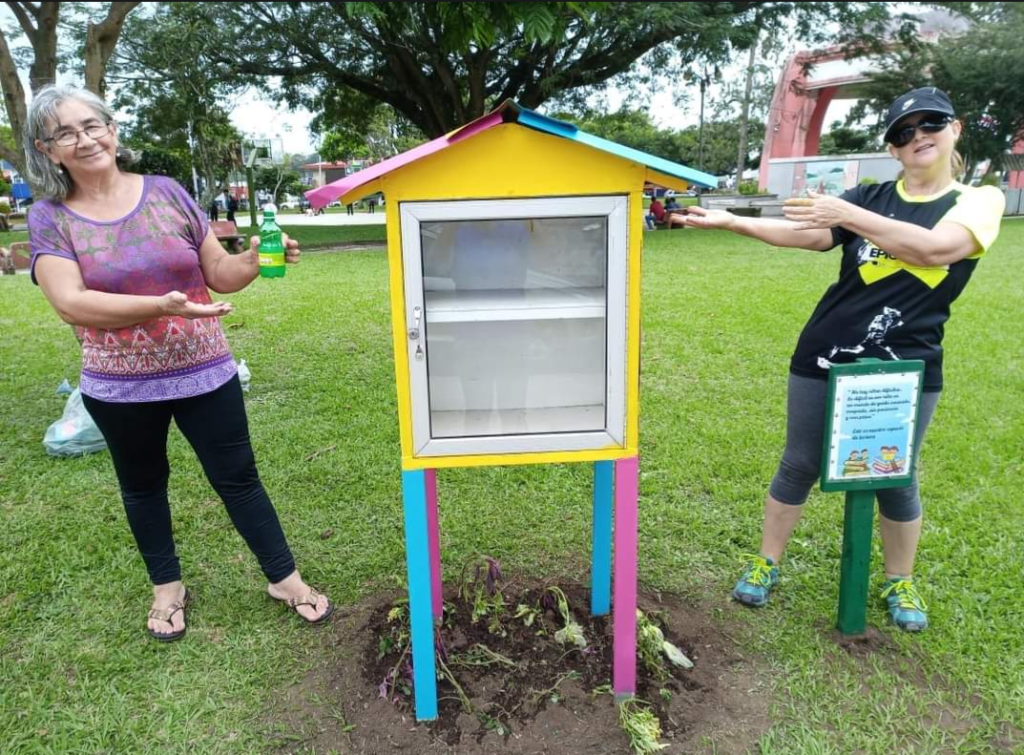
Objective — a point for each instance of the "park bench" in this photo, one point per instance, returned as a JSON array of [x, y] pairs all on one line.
[[21, 255], [227, 234]]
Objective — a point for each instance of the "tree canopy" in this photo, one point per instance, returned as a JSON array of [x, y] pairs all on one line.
[[634, 128], [442, 64], [164, 78], [980, 69]]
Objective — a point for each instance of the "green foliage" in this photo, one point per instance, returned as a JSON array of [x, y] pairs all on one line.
[[278, 181], [868, 181], [990, 179], [748, 188], [442, 64], [163, 74], [160, 160], [634, 128], [847, 140], [979, 69], [374, 133]]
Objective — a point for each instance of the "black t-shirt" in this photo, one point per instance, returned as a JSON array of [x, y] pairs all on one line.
[[887, 309]]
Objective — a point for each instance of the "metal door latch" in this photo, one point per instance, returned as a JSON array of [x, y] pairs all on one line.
[[414, 331]]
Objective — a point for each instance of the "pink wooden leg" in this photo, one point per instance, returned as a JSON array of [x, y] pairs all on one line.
[[624, 601], [433, 541]]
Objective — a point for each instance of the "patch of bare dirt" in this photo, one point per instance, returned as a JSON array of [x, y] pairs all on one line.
[[533, 695]]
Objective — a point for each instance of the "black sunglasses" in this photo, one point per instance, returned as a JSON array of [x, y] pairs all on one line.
[[929, 124]]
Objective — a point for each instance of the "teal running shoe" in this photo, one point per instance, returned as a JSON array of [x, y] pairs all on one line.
[[757, 582], [906, 608]]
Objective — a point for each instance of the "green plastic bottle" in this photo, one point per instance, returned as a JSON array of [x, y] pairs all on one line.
[[271, 247]]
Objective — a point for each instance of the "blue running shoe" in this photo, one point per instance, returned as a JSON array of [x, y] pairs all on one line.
[[757, 582], [906, 607]]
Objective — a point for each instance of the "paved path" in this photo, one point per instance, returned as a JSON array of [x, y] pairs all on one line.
[[360, 218]]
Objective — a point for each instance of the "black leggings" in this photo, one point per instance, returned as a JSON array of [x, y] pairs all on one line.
[[215, 425]]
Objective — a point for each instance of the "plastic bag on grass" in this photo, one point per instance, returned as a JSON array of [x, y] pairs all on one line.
[[244, 375], [75, 433]]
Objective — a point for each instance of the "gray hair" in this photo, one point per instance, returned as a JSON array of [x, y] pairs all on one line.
[[54, 180]]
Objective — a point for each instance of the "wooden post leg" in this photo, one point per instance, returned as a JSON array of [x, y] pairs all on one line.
[[418, 566], [855, 567], [601, 551], [434, 542], [626, 490]]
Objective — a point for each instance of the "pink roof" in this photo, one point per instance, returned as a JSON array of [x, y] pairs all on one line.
[[323, 195]]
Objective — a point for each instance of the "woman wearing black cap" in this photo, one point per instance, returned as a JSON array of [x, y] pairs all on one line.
[[909, 248]]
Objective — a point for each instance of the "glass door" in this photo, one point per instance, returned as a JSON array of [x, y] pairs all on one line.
[[516, 330]]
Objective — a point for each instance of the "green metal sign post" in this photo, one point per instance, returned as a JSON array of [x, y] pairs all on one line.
[[869, 444]]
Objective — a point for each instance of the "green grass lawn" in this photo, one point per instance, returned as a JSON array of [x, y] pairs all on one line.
[[720, 315]]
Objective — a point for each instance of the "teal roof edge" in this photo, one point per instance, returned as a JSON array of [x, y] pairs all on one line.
[[565, 130]]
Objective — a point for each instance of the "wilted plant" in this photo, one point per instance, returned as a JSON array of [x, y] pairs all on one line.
[[572, 633], [527, 614], [641, 726], [482, 588], [653, 648]]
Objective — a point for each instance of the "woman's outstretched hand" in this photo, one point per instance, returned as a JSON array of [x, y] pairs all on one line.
[[177, 304], [698, 217]]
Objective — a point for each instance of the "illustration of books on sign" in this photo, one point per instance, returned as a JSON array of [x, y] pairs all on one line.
[[857, 464], [888, 461]]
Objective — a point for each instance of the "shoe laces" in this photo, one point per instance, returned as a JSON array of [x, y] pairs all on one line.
[[906, 594], [759, 571]]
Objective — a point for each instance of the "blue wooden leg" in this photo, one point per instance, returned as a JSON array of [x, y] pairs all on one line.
[[417, 557], [601, 552]]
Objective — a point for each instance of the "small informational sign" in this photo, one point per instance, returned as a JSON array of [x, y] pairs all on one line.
[[869, 433]]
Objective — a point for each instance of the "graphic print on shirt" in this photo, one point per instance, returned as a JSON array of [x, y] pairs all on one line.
[[876, 264], [875, 337]]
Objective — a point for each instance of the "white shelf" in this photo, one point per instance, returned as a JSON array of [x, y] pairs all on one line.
[[495, 305], [460, 424]]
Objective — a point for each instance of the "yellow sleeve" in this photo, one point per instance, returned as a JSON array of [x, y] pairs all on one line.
[[979, 210]]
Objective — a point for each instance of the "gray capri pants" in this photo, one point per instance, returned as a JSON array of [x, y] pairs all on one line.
[[800, 467]]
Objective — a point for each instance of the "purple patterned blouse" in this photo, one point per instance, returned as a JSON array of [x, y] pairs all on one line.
[[152, 250]]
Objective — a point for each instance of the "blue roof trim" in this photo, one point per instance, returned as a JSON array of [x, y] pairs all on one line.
[[568, 131], [540, 122]]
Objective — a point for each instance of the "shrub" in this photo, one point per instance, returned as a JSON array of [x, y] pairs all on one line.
[[747, 188]]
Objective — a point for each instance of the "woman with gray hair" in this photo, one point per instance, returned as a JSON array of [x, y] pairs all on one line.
[[127, 260]]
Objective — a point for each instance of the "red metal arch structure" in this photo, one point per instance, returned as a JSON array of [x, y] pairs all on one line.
[[798, 108]]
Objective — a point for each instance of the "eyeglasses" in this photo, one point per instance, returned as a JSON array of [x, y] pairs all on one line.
[[69, 138], [929, 124]]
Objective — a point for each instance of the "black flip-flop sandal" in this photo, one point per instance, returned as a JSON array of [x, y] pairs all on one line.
[[165, 614]]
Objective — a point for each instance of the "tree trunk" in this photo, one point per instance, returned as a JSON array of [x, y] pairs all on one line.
[[741, 150], [14, 103], [39, 23], [100, 40]]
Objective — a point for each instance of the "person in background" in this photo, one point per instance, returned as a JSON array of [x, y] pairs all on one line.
[[232, 207], [655, 214], [128, 261], [909, 249]]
